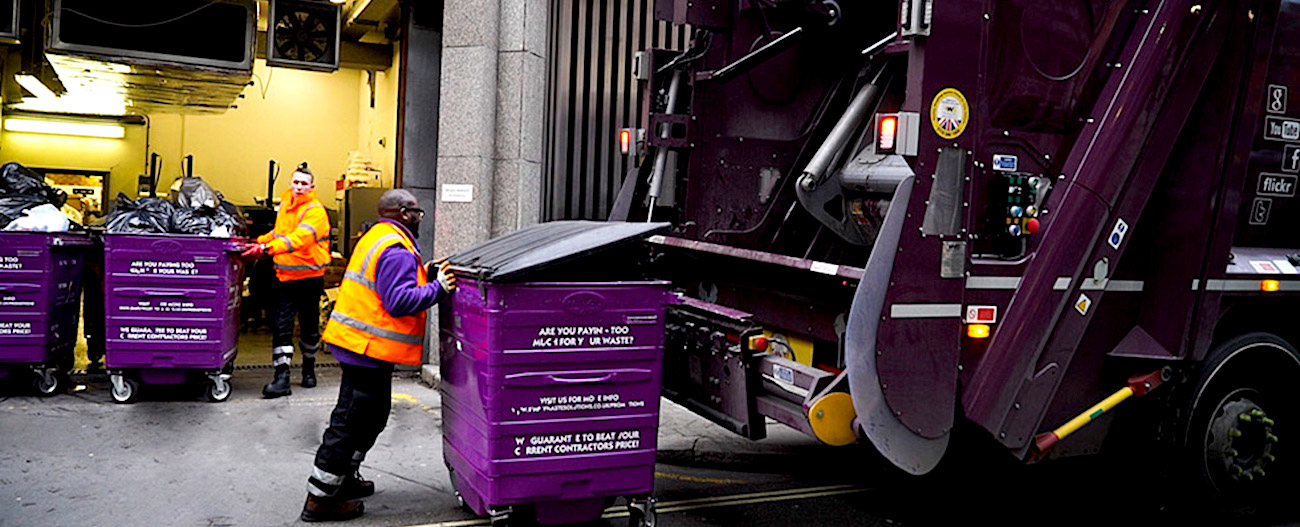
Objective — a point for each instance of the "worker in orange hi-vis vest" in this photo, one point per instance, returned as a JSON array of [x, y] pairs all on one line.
[[299, 245], [378, 321]]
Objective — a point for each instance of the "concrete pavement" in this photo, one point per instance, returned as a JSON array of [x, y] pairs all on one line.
[[174, 459]]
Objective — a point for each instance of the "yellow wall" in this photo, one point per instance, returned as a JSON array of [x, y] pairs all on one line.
[[305, 116], [377, 134], [122, 158]]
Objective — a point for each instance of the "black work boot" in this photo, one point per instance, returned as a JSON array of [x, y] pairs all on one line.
[[319, 509], [355, 486], [308, 372], [280, 386]]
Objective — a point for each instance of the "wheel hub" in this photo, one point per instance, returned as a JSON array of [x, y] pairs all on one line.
[[1239, 442]]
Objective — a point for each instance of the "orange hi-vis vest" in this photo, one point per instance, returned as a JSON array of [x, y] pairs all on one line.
[[359, 322], [300, 242]]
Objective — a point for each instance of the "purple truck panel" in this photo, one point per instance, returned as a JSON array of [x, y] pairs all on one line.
[[171, 302], [551, 393], [40, 294]]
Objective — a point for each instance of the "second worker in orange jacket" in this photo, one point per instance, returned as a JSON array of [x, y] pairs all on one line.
[[299, 246]]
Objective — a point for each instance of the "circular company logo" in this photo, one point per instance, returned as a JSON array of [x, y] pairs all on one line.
[[949, 113], [584, 303], [165, 247]]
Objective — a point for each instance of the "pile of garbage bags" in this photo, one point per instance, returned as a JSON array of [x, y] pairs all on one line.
[[198, 210], [27, 203]]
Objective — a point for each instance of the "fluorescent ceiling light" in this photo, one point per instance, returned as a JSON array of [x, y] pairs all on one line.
[[109, 131], [90, 104], [35, 86]]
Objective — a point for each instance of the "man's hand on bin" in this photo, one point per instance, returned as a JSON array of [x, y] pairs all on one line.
[[442, 269], [253, 251]]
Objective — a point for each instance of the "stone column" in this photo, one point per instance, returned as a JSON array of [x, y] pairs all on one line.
[[490, 123]]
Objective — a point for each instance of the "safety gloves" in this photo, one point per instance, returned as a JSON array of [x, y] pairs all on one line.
[[442, 268], [253, 251]]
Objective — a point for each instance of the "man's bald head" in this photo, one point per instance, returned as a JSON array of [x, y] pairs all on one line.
[[392, 202]]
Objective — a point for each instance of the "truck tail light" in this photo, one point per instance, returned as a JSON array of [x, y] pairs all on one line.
[[625, 140], [978, 331], [887, 134], [1270, 286]]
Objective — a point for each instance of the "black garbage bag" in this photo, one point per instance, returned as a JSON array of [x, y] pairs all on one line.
[[16, 179], [203, 221], [237, 217], [196, 193], [145, 215], [13, 205]]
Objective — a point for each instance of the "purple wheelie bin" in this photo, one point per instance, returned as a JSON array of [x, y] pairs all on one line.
[[40, 295], [171, 307], [550, 387]]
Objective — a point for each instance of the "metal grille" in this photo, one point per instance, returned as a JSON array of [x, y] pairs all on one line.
[[591, 95]]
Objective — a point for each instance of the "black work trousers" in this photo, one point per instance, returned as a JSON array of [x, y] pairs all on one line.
[[299, 298], [361, 413]]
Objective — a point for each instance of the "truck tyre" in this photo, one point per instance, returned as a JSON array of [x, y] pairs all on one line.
[[1243, 420]]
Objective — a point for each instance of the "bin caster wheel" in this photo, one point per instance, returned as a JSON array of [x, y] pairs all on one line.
[[499, 517], [219, 389], [48, 383], [125, 391], [460, 501], [641, 512]]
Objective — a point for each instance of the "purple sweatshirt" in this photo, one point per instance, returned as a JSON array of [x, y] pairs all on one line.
[[395, 280]]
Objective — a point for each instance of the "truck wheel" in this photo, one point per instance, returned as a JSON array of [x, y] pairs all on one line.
[[124, 390], [1242, 404]]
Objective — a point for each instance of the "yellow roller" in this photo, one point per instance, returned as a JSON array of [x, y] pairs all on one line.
[[832, 419]]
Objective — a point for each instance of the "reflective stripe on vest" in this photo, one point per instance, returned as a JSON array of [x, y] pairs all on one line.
[[287, 242], [376, 331], [301, 267], [360, 279], [370, 255]]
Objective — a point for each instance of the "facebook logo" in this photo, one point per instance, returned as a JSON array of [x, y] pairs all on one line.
[[1291, 158]]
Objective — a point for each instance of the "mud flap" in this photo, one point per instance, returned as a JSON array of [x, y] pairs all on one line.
[[906, 450]]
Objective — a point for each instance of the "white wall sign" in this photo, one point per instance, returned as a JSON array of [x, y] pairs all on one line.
[[456, 193]]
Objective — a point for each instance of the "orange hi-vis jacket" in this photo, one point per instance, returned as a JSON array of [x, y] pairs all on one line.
[[359, 322], [300, 242]]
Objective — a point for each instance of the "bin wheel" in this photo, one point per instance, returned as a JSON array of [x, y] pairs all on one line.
[[48, 383], [641, 512], [219, 389], [460, 501], [124, 391], [500, 517]]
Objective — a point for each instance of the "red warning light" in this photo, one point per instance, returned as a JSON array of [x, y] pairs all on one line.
[[625, 141], [888, 128]]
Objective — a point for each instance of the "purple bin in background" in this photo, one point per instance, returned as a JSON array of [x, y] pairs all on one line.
[[550, 394], [171, 307], [40, 296]]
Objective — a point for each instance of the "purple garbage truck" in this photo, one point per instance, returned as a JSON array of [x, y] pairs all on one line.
[[1060, 226]]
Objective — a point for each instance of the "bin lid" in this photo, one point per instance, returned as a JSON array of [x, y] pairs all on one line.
[[546, 244]]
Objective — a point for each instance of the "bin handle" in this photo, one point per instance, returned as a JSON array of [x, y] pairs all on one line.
[[582, 380], [133, 292], [535, 379]]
